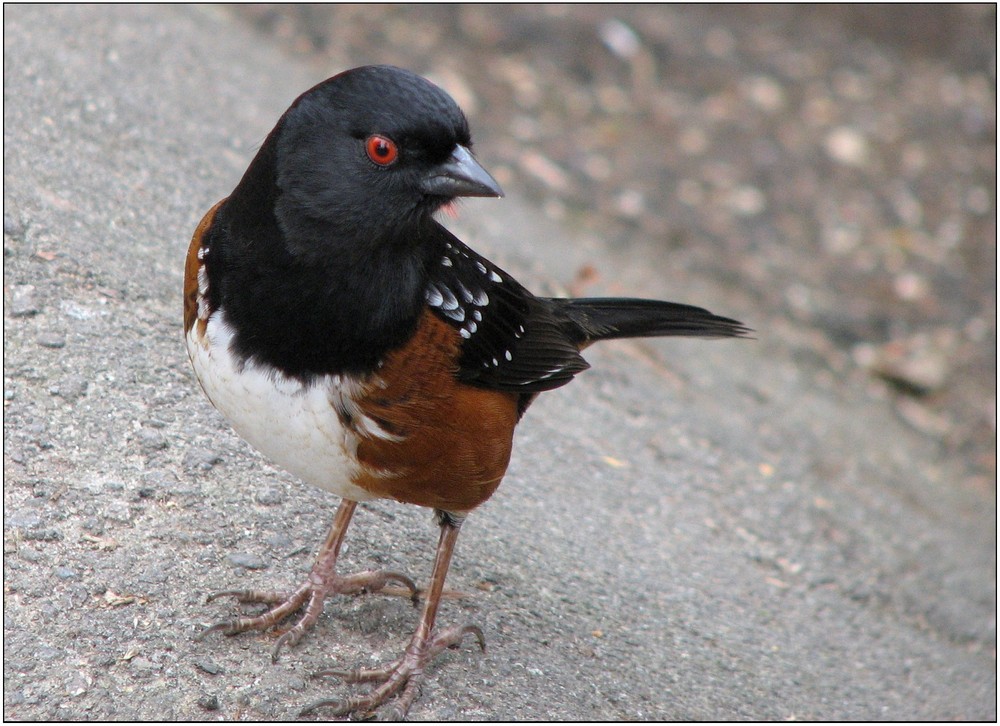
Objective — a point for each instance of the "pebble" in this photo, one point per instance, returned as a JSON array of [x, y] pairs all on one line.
[[620, 39], [210, 667], [70, 388], [154, 574], [118, 512], [545, 171], [43, 535], [22, 520], [51, 340], [279, 541], [197, 459], [747, 201], [12, 227], [23, 301], [765, 93], [150, 440], [77, 684], [209, 703], [160, 479], [66, 573], [270, 496], [30, 554], [143, 665], [847, 146], [631, 203], [247, 560], [917, 365]]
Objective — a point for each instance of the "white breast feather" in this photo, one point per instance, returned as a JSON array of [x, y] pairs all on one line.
[[294, 424]]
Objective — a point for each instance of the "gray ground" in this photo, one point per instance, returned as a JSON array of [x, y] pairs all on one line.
[[692, 530]]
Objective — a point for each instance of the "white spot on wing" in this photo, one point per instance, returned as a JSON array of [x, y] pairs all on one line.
[[433, 296], [449, 301]]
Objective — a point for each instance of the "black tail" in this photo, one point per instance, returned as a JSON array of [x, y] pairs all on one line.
[[601, 318]]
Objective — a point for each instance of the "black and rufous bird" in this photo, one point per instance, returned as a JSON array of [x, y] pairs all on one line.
[[357, 343]]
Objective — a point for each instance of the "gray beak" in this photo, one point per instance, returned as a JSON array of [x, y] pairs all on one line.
[[461, 176]]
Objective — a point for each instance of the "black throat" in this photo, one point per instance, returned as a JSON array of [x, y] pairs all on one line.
[[323, 303]]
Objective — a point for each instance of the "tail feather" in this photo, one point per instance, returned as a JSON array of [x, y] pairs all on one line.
[[595, 319]]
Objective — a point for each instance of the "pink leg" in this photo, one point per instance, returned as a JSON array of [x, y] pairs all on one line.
[[406, 673], [322, 581]]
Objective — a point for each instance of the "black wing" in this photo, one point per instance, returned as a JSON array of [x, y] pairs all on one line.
[[511, 340]]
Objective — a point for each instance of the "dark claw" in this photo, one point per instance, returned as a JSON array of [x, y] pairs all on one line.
[[224, 626]]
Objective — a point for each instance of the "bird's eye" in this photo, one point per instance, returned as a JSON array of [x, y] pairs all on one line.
[[381, 149]]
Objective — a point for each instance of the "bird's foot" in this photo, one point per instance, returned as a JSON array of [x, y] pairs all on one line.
[[402, 676], [309, 595]]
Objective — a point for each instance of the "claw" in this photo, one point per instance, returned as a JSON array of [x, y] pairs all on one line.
[[223, 626], [262, 596]]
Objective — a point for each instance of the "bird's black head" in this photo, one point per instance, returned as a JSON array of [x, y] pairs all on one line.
[[374, 150]]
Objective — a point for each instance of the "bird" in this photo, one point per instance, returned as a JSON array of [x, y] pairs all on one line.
[[347, 335]]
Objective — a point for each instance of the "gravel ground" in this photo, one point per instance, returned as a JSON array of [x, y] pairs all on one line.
[[799, 527]]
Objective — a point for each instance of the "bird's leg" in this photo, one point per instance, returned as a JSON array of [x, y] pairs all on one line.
[[406, 673], [322, 581]]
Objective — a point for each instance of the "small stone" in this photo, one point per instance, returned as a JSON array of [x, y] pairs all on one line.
[[30, 554], [143, 665], [160, 479], [155, 575], [631, 203], [70, 388], [12, 227], [910, 286], [23, 301], [847, 146], [279, 541], [43, 535], [77, 684], [151, 440], [209, 703], [22, 520], [51, 340], [118, 512], [545, 170], [765, 93], [210, 667], [747, 201], [247, 560], [197, 459], [66, 573], [918, 365], [93, 525], [270, 496], [620, 39]]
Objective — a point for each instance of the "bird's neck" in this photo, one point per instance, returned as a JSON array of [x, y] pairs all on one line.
[[338, 309]]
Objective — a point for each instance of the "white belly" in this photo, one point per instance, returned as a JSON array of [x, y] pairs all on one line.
[[294, 424]]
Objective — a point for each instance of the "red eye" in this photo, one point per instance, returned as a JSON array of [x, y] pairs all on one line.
[[381, 149]]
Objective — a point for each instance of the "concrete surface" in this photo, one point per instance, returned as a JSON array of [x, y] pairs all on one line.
[[692, 530]]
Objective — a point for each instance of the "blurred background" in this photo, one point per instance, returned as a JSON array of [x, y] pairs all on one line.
[[834, 167]]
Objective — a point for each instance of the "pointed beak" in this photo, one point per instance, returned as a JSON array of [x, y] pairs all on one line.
[[461, 176]]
